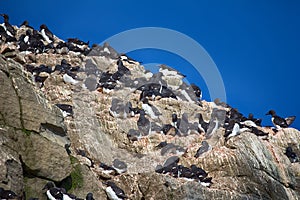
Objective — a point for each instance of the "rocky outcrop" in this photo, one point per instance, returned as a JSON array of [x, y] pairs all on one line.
[[39, 142]]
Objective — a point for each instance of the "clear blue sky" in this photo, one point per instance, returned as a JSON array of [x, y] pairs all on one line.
[[255, 44]]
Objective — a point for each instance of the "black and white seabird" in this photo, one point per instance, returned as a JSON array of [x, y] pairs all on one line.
[[256, 121], [46, 33], [280, 122], [233, 129], [106, 169], [174, 119], [26, 24], [212, 127], [203, 125], [143, 123], [291, 154], [40, 79], [121, 68], [114, 192], [169, 129], [259, 132], [119, 166], [53, 193], [7, 194], [173, 149], [134, 135], [89, 196], [199, 172], [10, 30], [203, 149], [124, 57], [149, 109], [197, 91], [67, 110], [69, 79]]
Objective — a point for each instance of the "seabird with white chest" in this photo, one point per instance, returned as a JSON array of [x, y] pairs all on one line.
[[280, 122], [10, 30], [114, 192], [46, 33]]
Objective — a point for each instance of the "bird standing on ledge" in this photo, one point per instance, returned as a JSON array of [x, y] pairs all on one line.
[[280, 122]]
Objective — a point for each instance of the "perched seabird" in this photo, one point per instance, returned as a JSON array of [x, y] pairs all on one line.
[[204, 148], [169, 71], [183, 124], [212, 127], [171, 161], [106, 81], [69, 79], [280, 122], [203, 125], [124, 57], [77, 41], [23, 42], [172, 148], [121, 68], [114, 192], [169, 129], [67, 110], [134, 135], [249, 123], [256, 121], [40, 79], [197, 91], [143, 123], [233, 129], [36, 42], [119, 166], [199, 172], [161, 144], [234, 114], [53, 193], [7, 194], [150, 110], [155, 89], [174, 119], [46, 33], [107, 169], [258, 132], [291, 154], [89, 196], [10, 30], [185, 172], [206, 182], [26, 24]]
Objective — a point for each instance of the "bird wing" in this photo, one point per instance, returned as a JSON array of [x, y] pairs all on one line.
[[280, 122], [290, 120]]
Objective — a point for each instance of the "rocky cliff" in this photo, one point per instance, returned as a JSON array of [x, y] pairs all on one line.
[[64, 124]]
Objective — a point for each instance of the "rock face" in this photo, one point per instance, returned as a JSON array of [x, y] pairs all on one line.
[[40, 142]]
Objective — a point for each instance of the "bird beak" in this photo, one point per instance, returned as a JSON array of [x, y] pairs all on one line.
[[267, 113]]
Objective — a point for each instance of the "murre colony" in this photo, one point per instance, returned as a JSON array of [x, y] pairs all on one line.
[[146, 109]]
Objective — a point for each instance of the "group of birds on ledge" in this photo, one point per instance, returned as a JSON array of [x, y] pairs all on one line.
[[234, 122], [39, 41]]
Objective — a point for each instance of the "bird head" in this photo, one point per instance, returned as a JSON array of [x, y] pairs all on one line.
[[43, 26], [5, 16], [49, 185], [271, 112]]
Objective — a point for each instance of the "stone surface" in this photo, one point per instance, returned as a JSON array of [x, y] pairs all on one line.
[[45, 159]]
